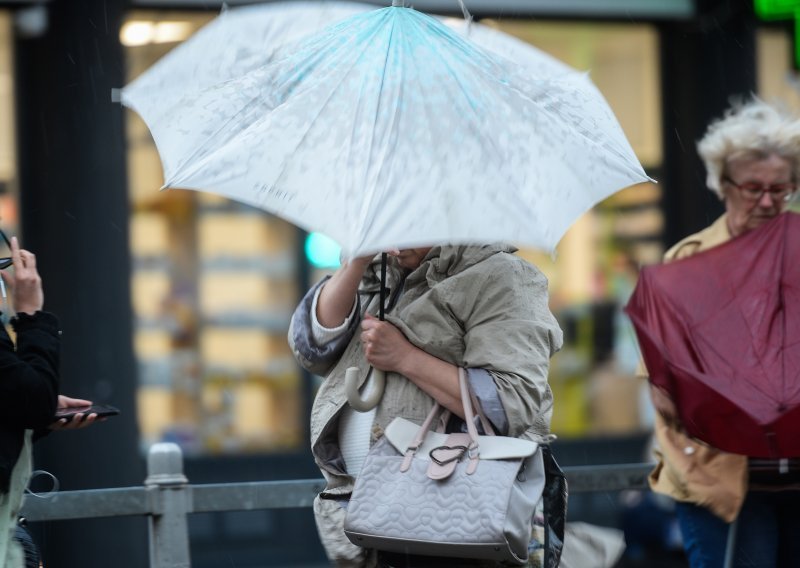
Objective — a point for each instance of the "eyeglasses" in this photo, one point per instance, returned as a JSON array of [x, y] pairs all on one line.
[[753, 191], [6, 261]]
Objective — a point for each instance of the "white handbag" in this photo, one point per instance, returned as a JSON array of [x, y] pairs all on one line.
[[455, 495]]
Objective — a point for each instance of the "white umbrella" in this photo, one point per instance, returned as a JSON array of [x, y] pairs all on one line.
[[390, 130]]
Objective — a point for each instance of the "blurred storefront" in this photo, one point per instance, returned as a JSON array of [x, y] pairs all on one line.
[[213, 282]]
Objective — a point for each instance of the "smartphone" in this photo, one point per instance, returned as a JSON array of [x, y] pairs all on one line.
[[102, 411]]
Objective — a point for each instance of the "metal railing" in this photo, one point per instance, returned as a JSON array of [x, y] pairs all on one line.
[[167, 498]]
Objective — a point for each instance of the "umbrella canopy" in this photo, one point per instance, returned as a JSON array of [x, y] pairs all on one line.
[[719, 332], [233, 44], [390, 130]]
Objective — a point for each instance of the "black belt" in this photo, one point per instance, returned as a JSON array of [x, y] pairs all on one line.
[[774, 471]]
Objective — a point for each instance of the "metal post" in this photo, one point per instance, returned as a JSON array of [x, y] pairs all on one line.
[[171, 498]]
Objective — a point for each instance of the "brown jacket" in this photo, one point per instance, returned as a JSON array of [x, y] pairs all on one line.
[[689, 470]]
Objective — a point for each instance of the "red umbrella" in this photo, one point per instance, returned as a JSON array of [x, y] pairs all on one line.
[[720, 332]]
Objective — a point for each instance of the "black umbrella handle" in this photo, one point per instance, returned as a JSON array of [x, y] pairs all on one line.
[[384, 261]]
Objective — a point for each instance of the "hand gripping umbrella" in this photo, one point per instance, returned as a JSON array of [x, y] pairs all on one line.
[[390, 130], [719, 332]]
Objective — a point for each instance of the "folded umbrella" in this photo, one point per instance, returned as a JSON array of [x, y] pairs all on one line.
[[720, 332]]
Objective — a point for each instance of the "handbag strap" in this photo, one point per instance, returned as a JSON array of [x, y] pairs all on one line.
[[444, 417], [476, 404], [474, 450], [468, 398], [419, 438]]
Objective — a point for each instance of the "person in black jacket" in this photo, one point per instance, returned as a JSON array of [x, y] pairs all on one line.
[[29, 385]]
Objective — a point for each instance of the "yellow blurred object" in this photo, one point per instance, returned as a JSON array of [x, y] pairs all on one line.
[[252, 409], [614, 401], [240, 349], [237, 235], [155, 410], [153, 344], [242, 292], [570, 415], [149, 234], [151, 289]]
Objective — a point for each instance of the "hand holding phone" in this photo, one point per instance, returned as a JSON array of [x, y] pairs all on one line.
[[101, 410]]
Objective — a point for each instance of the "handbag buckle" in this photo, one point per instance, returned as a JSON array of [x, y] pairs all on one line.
[[457, 457]]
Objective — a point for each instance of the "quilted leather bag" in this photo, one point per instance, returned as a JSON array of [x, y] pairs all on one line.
[[455, 495]]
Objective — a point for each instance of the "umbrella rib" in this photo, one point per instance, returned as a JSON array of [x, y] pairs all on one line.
[[782, 296], [327, 100], [521, 73], [737, 305], [761, 364], [614, 152], [203, 161], [464, 92], [200, 147], [247, 106], [367, 220]]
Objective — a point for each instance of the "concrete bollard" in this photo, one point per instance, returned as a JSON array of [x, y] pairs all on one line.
[[171, 500]]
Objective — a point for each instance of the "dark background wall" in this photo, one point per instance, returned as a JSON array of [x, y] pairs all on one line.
[[705, 62]]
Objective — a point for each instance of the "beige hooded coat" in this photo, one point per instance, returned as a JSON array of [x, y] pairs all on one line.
[[475, 307]]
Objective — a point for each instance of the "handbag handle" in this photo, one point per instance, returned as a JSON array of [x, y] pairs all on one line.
[[467, 400]]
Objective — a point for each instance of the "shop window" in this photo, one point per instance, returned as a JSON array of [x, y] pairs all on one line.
[[214, 283]]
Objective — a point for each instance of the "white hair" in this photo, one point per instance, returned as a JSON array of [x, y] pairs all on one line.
[[751, 130]]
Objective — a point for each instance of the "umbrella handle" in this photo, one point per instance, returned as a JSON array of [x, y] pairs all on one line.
[[354, 396]]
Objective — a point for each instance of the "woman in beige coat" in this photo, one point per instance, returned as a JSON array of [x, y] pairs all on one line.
[[752, 157], [480, 308]]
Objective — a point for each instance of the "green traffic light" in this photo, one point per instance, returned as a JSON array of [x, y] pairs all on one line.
[[782, 10], [776, 9], [322, 251]]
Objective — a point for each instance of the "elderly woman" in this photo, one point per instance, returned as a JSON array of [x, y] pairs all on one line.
[[480, 308], [752, 156]]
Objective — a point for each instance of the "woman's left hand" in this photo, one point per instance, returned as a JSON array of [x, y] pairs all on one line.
[[79, 420], [385, 346]]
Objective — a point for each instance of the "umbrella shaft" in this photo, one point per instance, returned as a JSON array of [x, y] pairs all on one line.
[[384, 260]]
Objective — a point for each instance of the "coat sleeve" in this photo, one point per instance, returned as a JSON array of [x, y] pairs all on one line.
[[511, 333], [316, 358], [29, 380]]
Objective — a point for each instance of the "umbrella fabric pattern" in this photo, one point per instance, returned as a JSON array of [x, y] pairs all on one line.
[[720, 332], [238, 41], [390, 130]]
